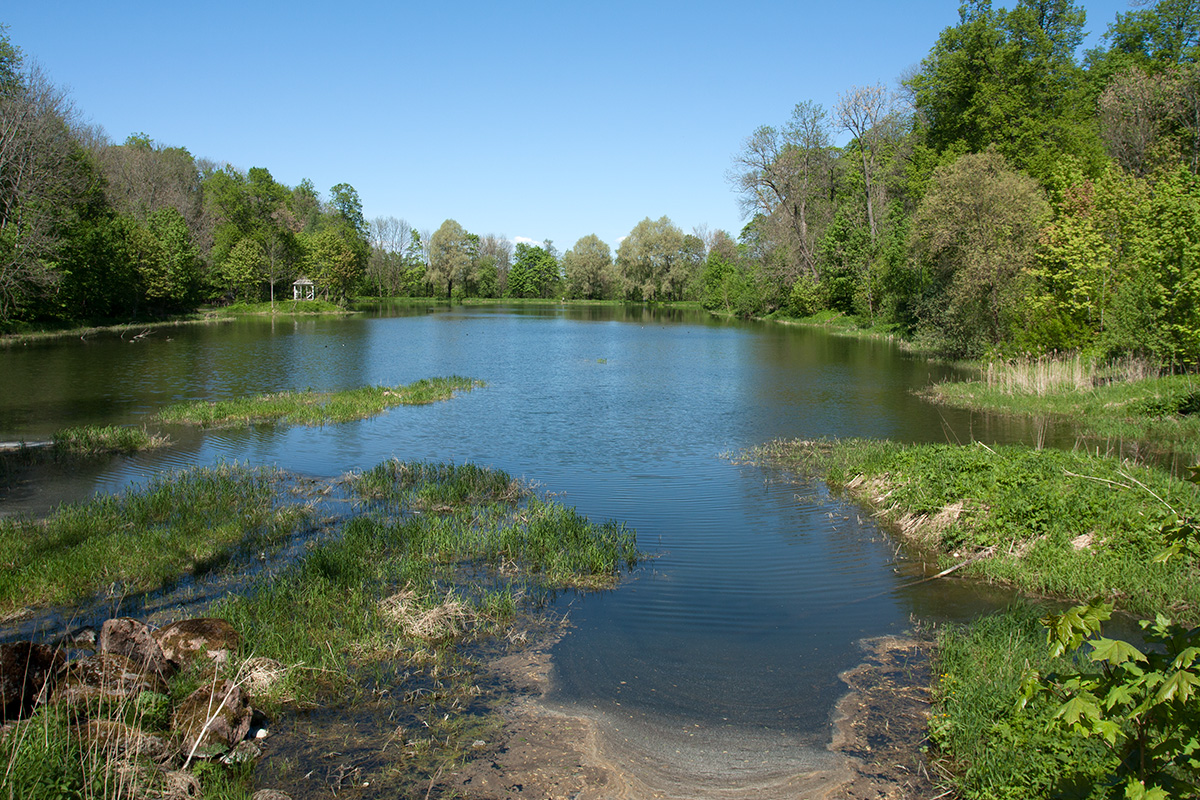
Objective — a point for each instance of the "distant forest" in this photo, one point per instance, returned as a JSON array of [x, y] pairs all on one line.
[[1015, 194]]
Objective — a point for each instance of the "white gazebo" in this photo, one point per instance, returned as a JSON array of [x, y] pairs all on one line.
[[304, 289]]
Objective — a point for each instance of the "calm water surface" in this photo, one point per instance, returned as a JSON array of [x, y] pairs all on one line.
[[760, 589]]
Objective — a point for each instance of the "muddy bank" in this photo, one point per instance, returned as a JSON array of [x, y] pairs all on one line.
[[548, 752]]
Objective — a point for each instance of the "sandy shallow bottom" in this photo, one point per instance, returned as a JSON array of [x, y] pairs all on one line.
[[580, 753]]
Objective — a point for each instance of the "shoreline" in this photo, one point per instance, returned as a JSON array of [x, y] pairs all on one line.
[[552, 752]]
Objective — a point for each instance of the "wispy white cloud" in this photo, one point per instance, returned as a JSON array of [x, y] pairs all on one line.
[[526, 240]]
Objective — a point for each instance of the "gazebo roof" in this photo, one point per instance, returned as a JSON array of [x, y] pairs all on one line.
[[302, 282]]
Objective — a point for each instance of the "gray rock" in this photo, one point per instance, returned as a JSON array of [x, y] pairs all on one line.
[[181, 642], [212, 719], [106, 676], [132, 638]]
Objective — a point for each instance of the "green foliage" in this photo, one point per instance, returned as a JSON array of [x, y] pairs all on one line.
[[450, 255], [587, 269], [974, 234], [1142, 704], [648, 261], [336, 258], [975, 730], [806, 297], [534, 273], [1009, 79]]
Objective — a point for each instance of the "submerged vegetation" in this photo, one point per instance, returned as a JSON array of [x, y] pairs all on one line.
[[140, 541], [433, 557], [314, 408]]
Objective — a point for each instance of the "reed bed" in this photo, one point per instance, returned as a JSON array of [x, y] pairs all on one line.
[[314, 408], [1127, 400]]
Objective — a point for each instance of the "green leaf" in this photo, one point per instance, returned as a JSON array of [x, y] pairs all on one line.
[[1180, 686], [1114, 651], [1077, 708]]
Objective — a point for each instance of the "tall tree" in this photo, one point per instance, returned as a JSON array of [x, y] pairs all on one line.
[[645, 258], [1010, 79], [44, 174], [534, 272], [976, 232], [449, 257], [588, 268], [784, 175], [866, 113]]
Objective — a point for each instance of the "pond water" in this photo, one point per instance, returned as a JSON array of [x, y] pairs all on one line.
[[760, 588]]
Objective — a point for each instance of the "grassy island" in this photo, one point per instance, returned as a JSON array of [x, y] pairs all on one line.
[[314, 408]]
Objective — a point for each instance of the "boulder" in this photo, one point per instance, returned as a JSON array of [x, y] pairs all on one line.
[[28, 672], [181, 642], [212, 719], [106, 676], [131, 638]]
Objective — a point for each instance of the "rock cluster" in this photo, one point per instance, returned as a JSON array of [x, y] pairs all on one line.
[[119, 700]]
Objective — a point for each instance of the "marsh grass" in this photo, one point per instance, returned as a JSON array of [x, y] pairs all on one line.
[[396, 599], [979, 744], [314, 408], [1049, 522], [92, 440], [181, 523], [390, 605], [436, 486], [1125, 400]]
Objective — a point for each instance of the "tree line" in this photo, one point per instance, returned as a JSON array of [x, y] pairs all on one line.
[[1013, 194]]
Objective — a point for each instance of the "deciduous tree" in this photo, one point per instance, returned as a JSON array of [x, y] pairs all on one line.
[[974, 234], [588, 268]]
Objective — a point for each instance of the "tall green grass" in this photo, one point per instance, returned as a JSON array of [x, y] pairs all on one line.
[[980, 745], [314, 408], [180, 523], [93, 440], [1048, 522], [1125, 401]]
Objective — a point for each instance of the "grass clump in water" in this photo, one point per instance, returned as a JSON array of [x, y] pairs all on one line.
[[314, 408], [1046, 521], [94, 440], [188, 522], [437, 486]]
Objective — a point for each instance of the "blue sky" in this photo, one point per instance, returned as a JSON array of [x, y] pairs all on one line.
[[528, 119]]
